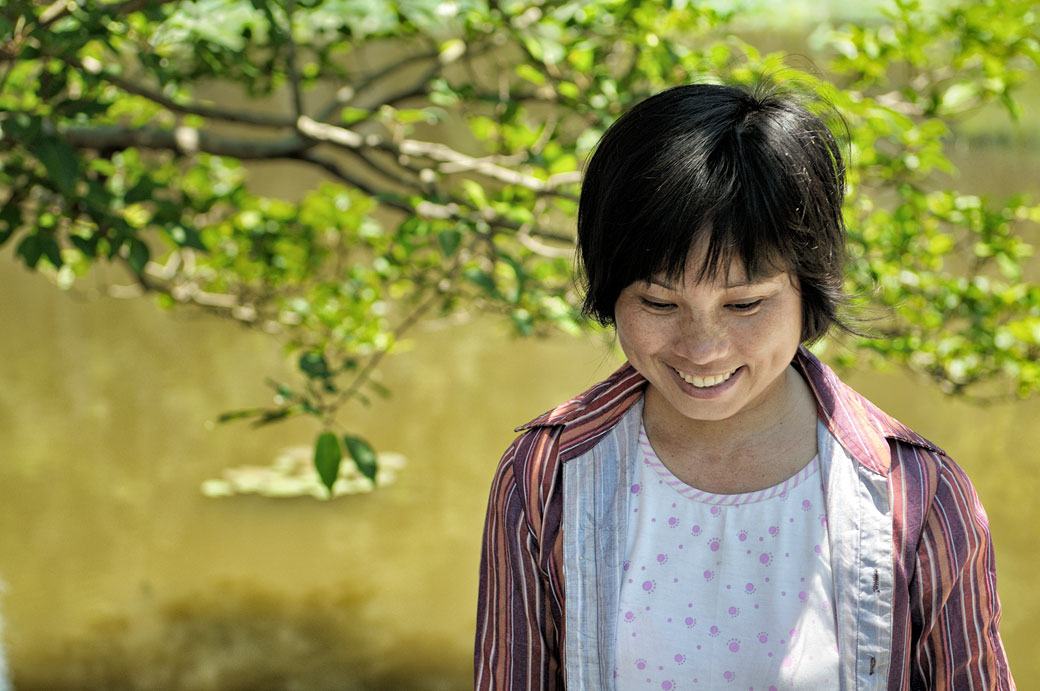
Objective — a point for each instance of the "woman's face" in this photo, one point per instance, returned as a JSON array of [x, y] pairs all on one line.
[[714, 350]]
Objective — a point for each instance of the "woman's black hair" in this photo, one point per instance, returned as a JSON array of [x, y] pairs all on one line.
[[745, 173]]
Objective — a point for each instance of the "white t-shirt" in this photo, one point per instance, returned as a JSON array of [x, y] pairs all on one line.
[[725, 591]]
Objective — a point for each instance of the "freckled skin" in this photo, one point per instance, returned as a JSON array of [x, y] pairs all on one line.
[[705, 329]]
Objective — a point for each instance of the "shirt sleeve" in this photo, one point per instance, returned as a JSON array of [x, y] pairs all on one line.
[[516, 638], [955, 606]]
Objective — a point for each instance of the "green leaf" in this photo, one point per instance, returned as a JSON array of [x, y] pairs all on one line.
[[187, 237], [363, 454], [1009, 267], [51, 85], [30, 250], [482, 279], [37, 245], [61, 162], [275, 414], [80, 106], [10, 221], [138, 254], [23, 127], [233, 415], [449, 241], [51, 251], [314, 365], [327, 456], [475, 193], [88, 246], [281, 389], [142, 191], [568, 90], [523, 321], [529, 73], [98, 198], [379, 388], [1014, 108], [348, 116], [958, 95]]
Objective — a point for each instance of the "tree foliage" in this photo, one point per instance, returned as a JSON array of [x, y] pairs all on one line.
[[450, 135]]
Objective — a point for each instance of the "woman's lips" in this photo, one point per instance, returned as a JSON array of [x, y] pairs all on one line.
[[708, 386], [706, 381]]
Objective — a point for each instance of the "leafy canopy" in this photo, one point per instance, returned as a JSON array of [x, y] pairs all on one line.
[[449, 136]]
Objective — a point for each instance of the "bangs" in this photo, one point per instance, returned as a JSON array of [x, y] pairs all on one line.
[[745, 200]]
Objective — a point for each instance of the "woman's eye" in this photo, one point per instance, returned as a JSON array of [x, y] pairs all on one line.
[[660, 306], [744, 306]]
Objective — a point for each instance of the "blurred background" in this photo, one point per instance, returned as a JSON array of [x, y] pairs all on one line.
[[132, 559]]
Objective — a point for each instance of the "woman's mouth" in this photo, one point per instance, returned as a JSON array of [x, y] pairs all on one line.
[[706, 381]]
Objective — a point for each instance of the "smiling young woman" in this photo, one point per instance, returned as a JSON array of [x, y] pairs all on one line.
[[724, 512], [722, 395]]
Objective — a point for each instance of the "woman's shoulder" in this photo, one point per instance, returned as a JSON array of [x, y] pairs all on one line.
[[571, 427], [862, 427], [577, 424], [616, 392], [930, 493], [879, 441]]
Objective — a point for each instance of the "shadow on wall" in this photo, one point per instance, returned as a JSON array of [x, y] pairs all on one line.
[[238, 638]]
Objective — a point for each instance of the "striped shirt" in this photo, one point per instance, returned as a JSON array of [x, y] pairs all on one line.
[[936, 591]]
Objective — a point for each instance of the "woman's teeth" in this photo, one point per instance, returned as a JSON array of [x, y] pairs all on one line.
[[704, 382]]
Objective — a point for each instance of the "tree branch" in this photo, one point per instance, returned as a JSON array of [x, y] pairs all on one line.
[[447, 212], [190, 141], [157, 278], [245, 117], [449, 160], [185, 140]]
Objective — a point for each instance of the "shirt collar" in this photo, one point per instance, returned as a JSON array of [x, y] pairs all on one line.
[[860, 426]]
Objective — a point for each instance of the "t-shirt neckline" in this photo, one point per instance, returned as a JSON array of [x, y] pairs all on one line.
[[779, 490]]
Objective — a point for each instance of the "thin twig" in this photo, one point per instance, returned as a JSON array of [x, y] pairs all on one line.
[[337, 171], [345, 96], [365, 373], [394, 176], [393, 98]]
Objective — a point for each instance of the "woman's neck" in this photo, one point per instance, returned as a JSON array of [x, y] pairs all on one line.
[[753, 450]]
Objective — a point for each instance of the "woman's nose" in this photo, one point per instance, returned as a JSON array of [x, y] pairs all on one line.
[[702, 341]]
